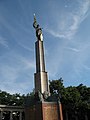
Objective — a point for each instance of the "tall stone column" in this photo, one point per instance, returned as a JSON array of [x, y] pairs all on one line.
[[41, 78]]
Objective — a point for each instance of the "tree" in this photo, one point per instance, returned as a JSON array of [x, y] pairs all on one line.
[[75, 100], [56, 86]]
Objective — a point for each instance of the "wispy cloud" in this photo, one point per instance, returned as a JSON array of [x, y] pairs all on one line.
[[72, 49], [68, 22], [3, 42], [17, 76], [28, 64], [24, 46], [9, 73], [86, 67], [81, 61], [8, 77]]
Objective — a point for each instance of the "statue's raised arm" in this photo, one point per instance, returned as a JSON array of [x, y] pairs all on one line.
[[38, 29], [35, 22]]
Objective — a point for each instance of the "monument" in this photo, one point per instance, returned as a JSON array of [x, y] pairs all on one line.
[[41, 77], [42, 106]]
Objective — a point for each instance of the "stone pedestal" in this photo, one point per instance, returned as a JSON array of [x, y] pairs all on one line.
[[44, 111]]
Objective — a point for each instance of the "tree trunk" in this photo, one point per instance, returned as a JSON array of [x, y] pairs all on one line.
[[76, 118], [66, 115], [86, 117]]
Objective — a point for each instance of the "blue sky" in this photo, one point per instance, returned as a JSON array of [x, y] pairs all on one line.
[[66, 31]]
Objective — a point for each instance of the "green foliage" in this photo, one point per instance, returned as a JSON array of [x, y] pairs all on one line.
[[75, 100], [85, 96], [15, 99], [56, 86]]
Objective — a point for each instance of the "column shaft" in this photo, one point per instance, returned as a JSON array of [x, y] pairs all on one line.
[[11, 118], [40, 63], [1, 115], [20, 116]]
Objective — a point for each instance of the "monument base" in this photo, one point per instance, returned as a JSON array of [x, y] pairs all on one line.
[[44, 111]]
